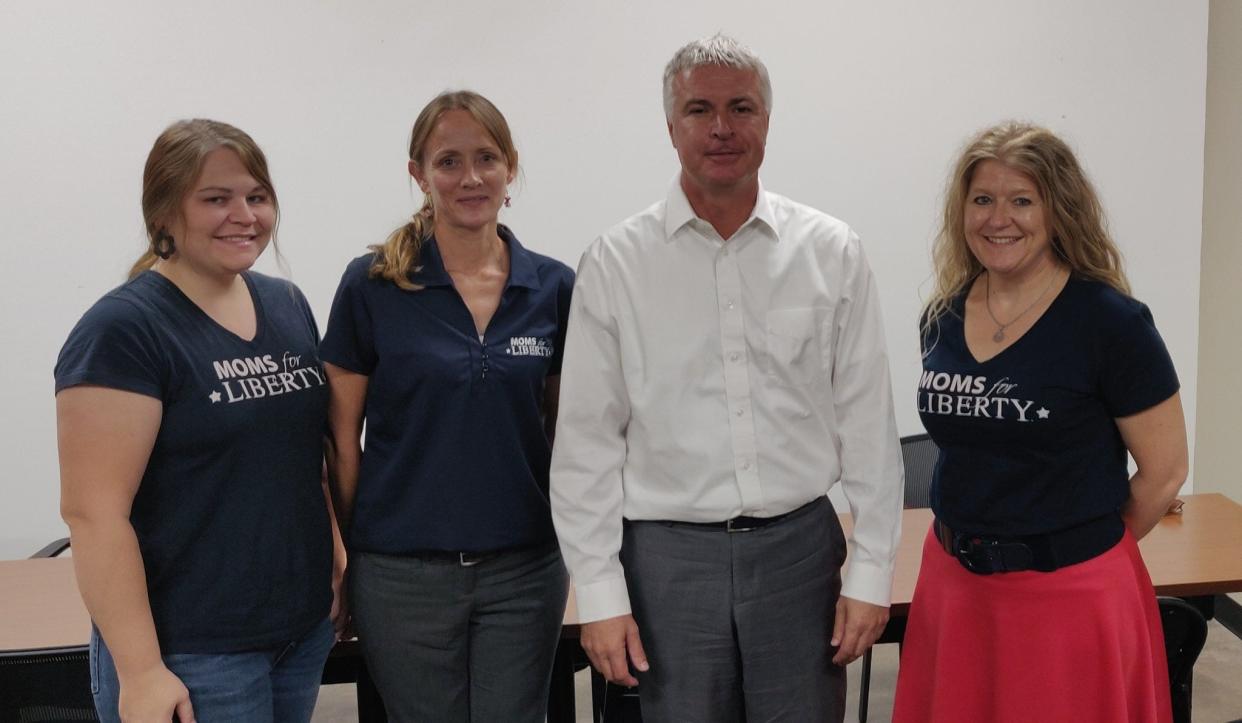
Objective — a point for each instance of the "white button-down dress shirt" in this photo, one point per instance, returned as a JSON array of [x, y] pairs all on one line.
[[706, 378]]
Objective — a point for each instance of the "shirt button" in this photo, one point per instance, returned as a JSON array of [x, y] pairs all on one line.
[[734, 356], [740, 412], [728, 303], [746, 464]]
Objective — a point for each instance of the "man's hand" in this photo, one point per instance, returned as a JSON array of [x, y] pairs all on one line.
[[607, 643], [857, 626]]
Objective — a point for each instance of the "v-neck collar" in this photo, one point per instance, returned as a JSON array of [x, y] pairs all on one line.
[[259, 325]]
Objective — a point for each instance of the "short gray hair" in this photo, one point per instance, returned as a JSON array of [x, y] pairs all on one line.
[[719, 49]]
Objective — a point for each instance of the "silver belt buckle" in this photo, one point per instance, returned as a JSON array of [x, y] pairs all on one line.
[[469, 559], [729, 527]]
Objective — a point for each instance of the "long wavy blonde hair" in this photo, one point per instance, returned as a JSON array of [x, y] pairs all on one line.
[[174, 164], [1076, 221], [398, 256]]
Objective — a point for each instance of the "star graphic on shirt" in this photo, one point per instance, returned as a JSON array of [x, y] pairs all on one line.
[[1043, 413], [214, 396]]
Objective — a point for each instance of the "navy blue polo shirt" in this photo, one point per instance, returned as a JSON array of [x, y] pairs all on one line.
[[455, 454], [1028, 439]]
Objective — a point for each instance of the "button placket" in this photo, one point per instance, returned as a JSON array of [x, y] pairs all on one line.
[[736, 377]]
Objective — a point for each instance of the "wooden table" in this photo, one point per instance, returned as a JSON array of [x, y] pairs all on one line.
[[1197, 554]]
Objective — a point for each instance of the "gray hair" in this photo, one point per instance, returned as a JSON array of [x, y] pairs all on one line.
[[719, 49]]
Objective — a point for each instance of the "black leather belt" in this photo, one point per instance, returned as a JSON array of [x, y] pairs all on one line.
[[465, 559], [986, 554], [470, 559], [741, 523]]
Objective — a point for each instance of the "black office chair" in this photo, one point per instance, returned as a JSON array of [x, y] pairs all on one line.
[[49, 685], [919, 454], [1185, 631]]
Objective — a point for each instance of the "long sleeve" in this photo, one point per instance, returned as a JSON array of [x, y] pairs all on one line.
[[869, 449], [586, 478]]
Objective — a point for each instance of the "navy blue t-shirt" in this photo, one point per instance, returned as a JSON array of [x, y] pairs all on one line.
[[230, 514], [455, 456], [1028, 442]]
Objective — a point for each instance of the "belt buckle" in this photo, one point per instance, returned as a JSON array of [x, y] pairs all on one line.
[[983, 556], [976, 554], [729, 526], [470, 559]]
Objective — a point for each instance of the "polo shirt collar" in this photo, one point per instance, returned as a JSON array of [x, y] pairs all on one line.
[[678, 212], [522, 270]]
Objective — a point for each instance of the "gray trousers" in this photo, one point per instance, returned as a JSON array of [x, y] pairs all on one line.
[[447, 643], [737, 625]]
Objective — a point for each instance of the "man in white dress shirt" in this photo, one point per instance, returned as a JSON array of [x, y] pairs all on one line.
[[725, 366]]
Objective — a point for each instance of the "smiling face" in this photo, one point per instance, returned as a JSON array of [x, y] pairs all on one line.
[[1006, 222], [719, 126], [464, 172], [226, 219]]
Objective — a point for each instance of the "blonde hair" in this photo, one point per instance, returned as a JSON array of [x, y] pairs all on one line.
[[1077, 225], [398, 256], [174, 164]]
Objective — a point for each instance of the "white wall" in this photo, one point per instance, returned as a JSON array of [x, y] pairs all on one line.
[[1220, 347], [872, 99]]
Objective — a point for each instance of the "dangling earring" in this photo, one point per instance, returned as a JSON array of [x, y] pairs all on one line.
[[508, 201], [163, 245]]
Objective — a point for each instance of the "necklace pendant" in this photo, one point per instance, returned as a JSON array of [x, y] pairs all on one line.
[[999, 336]]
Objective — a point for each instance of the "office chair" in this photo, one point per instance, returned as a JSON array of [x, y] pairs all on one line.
[[47, 686], [1185, 631], [918, 454]]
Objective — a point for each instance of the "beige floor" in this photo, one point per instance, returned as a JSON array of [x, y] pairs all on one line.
[[1217, 694]]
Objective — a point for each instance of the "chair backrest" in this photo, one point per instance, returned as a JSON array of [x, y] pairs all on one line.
[[53, 686], [1185, 630], [919, 453]]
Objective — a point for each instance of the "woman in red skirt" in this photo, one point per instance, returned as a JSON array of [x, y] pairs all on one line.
[[1040, 374]]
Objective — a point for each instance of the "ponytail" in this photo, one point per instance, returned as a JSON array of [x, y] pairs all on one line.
[[398, 256]]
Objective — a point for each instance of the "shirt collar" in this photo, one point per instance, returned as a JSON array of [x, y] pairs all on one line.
[[678, 213], [522, 270]]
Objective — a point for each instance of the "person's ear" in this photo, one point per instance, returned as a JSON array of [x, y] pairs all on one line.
[[417, 173]]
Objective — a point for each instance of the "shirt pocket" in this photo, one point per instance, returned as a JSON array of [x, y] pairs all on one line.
[[796, 345]]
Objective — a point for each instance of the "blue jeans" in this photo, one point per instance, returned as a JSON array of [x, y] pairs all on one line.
[[273, 685]]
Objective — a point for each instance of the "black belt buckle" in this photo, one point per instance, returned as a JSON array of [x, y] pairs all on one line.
[[984, 556], [740, 524], [470, 559]]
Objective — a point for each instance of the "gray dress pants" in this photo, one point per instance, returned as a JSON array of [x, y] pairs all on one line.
[[448, 643], [737, 625]]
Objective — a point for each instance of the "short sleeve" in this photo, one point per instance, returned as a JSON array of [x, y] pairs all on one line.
[[113, 346], [564, 294], [1136, 371], [349, 341]]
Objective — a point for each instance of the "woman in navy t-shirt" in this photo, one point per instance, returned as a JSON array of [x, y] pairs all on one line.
[[446, 340], [191, 407], [1040, 374]]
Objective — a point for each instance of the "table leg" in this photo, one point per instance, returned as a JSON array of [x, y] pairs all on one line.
[[561, 692]]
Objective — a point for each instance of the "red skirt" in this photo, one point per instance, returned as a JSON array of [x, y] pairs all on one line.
[[1083, 643]]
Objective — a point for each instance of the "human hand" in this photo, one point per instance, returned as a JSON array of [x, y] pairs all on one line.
[[339, 614], [607, 644], [857, 626], [154, 696]]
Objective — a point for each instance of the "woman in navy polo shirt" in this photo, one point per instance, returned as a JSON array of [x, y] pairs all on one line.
[[1040, 373], [191, 407], [446, 340]]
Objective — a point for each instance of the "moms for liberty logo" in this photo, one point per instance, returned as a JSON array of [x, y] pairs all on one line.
[[257, 377], [974, 395], [529, 346]]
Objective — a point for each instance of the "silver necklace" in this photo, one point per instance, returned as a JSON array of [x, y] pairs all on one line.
[[999, 336]]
